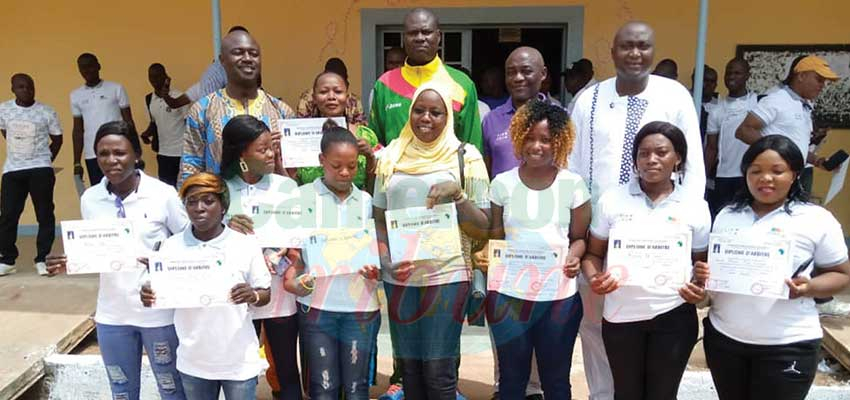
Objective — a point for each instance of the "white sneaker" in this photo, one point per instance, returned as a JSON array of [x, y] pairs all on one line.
[[6, 269], [41, 267]]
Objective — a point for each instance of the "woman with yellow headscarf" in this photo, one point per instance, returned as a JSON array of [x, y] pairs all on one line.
[[424, 166]]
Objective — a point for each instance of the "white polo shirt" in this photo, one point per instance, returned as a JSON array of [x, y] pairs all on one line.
[[786, 113], [600, 118], [242, 194], [28, 131], [219, 343], [342, 293], [170, 124], [539, 216], [723, 120], [97, 105], [629, 205], [157, 213], [814, 232]]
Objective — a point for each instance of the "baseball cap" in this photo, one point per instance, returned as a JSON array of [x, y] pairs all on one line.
[[817, 64]]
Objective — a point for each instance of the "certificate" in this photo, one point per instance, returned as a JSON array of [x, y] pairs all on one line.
[[280, 222], [191, 279], [749, 264], [638, 256], [21, 139], [529, 271], [418, 233], [102, 245], [341, 251], [300, 140]]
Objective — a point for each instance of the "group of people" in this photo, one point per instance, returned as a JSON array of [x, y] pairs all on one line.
[[627, 153]]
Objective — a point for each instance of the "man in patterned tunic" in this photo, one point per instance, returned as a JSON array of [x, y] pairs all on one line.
[[240, 57]]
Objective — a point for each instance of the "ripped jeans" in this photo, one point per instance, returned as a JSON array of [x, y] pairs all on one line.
[[338, 347], [121, 349]]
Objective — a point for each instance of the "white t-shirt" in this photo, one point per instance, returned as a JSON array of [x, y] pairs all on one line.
[[242, 194], [629, 206], [342, 293], [219, 343], [405, 191], [572, 104], [597, 156], [813, 232], [170, 124], [539, 216], [483, 110], [157, 213], [786, 113], [723, 120], [97, 105], [27, 134]]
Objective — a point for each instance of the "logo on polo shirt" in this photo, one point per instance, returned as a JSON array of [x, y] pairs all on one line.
[[392, 105]]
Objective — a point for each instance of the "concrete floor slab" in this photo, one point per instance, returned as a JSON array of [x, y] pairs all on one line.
[[41, 316]]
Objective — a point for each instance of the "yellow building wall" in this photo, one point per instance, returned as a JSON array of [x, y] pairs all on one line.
[[43, 38]]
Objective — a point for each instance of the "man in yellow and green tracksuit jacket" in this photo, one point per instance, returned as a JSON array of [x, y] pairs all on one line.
[[394, 91]]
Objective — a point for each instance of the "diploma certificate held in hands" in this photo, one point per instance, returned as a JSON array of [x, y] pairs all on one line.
[[279, 223], [101, 245], [191, 279], [638, 256], [300, 140], [341, 251], [418, 233], [529, 271], [750, 265]]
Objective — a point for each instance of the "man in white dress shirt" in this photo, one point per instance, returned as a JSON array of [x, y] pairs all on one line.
[[607, 116]]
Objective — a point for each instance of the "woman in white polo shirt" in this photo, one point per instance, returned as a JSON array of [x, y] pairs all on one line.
[[124, 326], [339, 315], [539, 204], [649, 331], [247, 166], [764, 348], [219, 350]]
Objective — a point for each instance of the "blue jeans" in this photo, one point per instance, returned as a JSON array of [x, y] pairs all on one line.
[[121, 349], [205, 389], [426, 323], [338, 347], [522, 327]]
